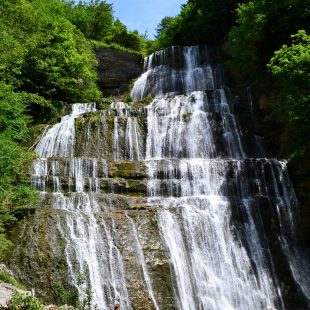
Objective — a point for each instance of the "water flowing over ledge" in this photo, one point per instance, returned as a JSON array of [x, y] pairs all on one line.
[[162, 206]]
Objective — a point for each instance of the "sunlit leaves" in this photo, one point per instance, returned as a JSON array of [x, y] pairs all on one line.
[[291, 67]]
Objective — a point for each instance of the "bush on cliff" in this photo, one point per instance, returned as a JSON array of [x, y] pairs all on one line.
[[290, 65]]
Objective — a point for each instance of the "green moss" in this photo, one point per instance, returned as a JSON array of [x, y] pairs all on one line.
[[65, 295], [104, 103], [147, 100], [128, 99], [79, 123], [186, 117], [95, 118], [129, 169]]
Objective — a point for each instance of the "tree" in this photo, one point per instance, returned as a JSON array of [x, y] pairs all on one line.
[[290, 65], [199, 22], [128, 39], [262, 27], [15, 196], [43, 53], [93, 18]]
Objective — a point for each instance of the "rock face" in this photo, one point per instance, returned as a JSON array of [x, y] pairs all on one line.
[[116, 69], [38, 260]]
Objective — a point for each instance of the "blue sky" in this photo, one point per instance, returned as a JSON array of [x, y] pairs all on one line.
[[145, 15]]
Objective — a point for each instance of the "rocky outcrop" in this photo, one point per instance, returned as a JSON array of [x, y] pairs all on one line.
[[116, 69], [6, 292], [37, 260]]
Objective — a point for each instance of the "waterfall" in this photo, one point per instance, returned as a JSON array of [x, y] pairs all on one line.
[[142, 261], [90, 251], [199, 214], [215, 265], [59, 140]]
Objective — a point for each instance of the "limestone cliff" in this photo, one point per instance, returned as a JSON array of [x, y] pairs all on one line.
[[116, 69]]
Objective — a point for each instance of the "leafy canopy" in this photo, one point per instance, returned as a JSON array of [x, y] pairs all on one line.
[[50, 56], [15, 195], [199, 22], [291, 67], [262, 27]]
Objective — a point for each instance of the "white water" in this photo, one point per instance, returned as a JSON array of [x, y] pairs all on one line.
[[142, 262], [89, 242], [90, 251], [212, 267], [161, 79], [59, 139]]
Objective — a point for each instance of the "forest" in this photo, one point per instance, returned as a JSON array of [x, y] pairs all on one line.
[[47, 59]]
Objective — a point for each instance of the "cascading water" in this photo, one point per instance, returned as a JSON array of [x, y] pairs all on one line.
[[215, 264], [203, 190], [90, 252]]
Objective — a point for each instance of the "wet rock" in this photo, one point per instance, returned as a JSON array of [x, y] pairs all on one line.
[[38, 259], [127, 169]]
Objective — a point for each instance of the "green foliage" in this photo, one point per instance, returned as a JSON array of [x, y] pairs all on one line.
[[82, 279], [46, 46], [65, 296], [52, 58], [262, 27], [96, 45], [148, 99], [15, 196], [4, 242], [104, 103], [25, 302], [13, 121], [129, 39], [199, 22], [290, 65], [94, 18], [128, 99], [86, 304]]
